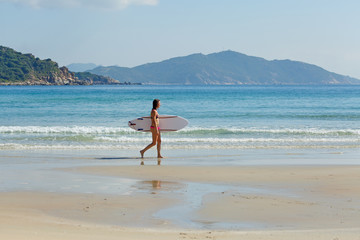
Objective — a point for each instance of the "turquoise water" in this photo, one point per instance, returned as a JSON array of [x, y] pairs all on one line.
[[220, 117]]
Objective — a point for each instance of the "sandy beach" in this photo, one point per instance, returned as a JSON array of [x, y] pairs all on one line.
[[212, 202]]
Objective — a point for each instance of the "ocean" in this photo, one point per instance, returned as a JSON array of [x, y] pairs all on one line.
[[220, 117]]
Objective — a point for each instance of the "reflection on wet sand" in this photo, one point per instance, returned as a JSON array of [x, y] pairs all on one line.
[[158, 162], [156, 184], [164, 186]]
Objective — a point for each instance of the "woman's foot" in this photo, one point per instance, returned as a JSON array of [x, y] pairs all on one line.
[[159, 156], [142, 153]]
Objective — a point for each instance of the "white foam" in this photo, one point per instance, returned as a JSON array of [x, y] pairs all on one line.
[[228, 140], [100, 137], [194, 130], [68, 130], [166, 146]]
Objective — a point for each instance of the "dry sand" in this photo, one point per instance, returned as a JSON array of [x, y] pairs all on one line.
[[298, 202]]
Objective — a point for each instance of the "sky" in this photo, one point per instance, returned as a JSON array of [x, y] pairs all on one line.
[[128, 33]]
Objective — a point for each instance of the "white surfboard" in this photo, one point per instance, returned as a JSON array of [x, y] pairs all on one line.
[[167, 123]]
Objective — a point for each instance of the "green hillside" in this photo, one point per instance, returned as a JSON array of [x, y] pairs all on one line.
[[17, 67], [25, 69]]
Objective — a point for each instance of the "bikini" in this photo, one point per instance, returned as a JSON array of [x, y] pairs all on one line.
[[157, 116]]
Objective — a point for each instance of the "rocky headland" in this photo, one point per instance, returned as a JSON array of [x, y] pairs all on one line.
[[26, 69]]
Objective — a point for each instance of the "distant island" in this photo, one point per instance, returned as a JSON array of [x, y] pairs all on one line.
[[225, 68], [25, 69]]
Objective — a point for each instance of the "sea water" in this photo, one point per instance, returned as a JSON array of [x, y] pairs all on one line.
[[220, 117]]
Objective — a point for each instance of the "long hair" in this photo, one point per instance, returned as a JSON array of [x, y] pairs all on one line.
[[155, 103]]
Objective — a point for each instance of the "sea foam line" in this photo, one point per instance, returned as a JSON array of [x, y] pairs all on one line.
[[12, 146], [65, 130], [98, 130], [229, 140]]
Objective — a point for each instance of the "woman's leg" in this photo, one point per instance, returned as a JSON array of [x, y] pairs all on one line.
[[159, 145], [154, 138]]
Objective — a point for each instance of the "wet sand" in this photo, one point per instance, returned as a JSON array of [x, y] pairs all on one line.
[[281, 197], [259, 202]]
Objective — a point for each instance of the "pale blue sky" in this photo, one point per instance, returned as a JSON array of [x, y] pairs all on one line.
[[133, 32]]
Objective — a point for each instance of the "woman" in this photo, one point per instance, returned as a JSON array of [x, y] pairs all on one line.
[[155, 130]]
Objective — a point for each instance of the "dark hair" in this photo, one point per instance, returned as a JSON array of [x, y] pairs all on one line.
[[155, 103]]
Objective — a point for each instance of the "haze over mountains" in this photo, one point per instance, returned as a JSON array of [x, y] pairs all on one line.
[[81, 67], [225, 68]]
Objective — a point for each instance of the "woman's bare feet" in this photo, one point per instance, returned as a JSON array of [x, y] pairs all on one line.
[[159, 156]]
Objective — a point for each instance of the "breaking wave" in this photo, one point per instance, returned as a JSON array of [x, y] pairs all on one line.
[[98, 137]]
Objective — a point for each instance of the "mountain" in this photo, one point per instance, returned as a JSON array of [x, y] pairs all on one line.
[[94, 79], [81, 67], [25, 69], [225, 68]]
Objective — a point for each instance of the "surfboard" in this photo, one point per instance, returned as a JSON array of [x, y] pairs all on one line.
[[167, 123]]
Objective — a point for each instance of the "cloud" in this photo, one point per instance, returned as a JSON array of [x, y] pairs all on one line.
[[94, 4]]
